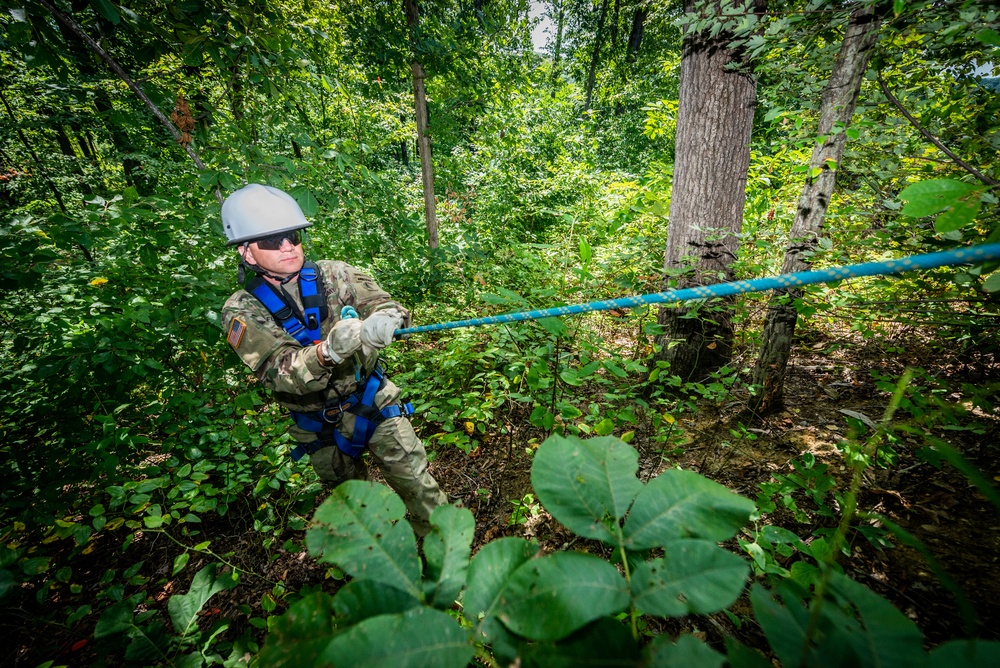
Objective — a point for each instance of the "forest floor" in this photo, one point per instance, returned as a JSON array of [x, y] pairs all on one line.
[[939, 506]]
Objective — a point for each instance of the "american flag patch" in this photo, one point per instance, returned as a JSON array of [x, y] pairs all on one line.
[[236, 331]]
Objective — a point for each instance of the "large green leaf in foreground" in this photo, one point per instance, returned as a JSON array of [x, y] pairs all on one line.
[[414, 639], [360, 528], [586, 484]]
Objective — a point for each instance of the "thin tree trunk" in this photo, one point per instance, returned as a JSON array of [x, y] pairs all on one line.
[[635, 35], [712, 147], [557, 54], [423, 140], [615, 26], [595, 56], [836, 109]]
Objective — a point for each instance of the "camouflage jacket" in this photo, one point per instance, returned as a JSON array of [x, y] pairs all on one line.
[[292, 372]]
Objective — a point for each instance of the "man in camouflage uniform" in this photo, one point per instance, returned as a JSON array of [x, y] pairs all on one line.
[[317, 376]]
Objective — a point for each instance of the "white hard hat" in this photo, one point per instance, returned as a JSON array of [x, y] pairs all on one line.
[[256, 211]]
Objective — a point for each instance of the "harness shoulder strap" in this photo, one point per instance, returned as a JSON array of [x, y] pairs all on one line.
[[312, 300]]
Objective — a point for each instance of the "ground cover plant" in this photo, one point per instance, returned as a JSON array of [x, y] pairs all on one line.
[[603, 506]]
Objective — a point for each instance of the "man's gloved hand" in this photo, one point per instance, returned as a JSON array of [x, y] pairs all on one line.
[[377, 329], [342, 341]]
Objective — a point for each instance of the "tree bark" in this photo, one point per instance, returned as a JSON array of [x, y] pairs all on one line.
[[557, 54], [423, 140], [836, 109], [712, 147], [595, 56], [635, 35]]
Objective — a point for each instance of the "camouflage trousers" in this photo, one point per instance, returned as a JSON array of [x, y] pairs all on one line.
[[399, 455]]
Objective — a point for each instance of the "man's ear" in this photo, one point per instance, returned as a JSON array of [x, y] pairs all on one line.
[[247, 253]]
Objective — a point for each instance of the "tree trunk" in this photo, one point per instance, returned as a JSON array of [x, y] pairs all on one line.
[[712, 148], [614, 26], [557, 54], [595, 55], [836, 109], [635, 35], [423, 140]]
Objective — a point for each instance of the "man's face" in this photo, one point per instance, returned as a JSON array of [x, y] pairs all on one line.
[[284, 261]]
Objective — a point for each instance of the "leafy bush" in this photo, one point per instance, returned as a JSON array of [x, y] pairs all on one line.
[[563, 608]]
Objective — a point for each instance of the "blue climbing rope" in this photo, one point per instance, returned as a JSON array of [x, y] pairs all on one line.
[[885, 268]]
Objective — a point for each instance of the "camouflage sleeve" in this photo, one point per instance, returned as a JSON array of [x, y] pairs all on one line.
[[278, 361], [360, 290]]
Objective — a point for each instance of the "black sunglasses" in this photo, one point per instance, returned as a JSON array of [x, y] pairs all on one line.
[[274, 241]]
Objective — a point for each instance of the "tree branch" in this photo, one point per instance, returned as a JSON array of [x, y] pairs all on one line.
[[931, 138], [73, 26]]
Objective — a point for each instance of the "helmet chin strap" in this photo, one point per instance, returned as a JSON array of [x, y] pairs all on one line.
[[241, 273]]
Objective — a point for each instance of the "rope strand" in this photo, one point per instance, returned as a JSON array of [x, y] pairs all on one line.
[[958, 256]]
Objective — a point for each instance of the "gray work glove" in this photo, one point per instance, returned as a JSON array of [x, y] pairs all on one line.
[[377, 329], [343, 341]]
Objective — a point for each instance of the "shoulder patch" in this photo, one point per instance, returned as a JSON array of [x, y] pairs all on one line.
[[237, 328]]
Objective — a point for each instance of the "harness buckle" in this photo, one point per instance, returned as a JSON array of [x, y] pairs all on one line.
[[334, 414]]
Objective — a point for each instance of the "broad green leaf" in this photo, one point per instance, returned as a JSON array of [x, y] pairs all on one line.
[[586, 483], [927, 198], [961, 213], [604, 427], [967, 653], [741, 656], [360, 528], [683, 504], [570, 377], [568, 411], [358, 600], [784, 626], [184, 608], [888, 636], [180, 562], [414, 639], [552, 596], [447, 549], [695, 576], [489, 573], [116, 619], [190, 660], [992, 283], [687, 651], [989, 36], [586, 252], [106, 9], [606, 643], [553, 326], [306, 200], [148, 644], [297, 637]]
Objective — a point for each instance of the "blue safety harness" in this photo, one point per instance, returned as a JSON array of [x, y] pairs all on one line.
[[306, 333], [324, 422]]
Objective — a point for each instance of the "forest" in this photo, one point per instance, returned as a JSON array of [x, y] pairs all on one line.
[[803, 476]]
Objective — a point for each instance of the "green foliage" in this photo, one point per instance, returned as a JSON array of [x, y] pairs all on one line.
[[517, 600], [125, 420], [554, 609]]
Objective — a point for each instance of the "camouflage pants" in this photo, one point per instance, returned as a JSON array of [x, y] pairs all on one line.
[[400, 456]]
